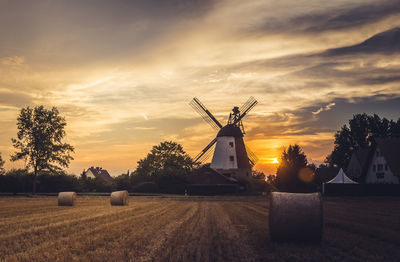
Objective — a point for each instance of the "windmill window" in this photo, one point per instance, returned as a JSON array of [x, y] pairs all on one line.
[[377, 153], [380, 167], [380, 175], [231, 158], [374, 167], [386, 167], [231, 144]]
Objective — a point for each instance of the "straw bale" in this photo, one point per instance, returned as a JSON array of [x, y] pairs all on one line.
[[296, 217], [119, 198], [66, 198]]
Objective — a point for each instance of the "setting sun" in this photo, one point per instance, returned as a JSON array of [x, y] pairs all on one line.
[[275, 161]]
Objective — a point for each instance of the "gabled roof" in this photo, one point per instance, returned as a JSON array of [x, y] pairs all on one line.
[[361, 155], [341, 178], [390, 149], [100, 173]]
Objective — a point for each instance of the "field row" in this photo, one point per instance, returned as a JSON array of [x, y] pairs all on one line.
[[189, 229]]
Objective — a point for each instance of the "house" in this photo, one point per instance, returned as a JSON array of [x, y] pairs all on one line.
[[358, 163], [379, 164], [384, 164], [99, 173]]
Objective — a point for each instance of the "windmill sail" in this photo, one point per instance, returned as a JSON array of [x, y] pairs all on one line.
[[204, 151], [206, 156], [231, 157], [250, 103], [205, 114], [252, 157]]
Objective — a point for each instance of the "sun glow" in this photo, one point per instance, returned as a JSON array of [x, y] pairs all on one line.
[[275, 161]]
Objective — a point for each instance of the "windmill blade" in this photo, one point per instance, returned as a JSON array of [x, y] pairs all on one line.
[[205, 114], [204, 151], [250, 103], [247, 103], [206, 155], [253, 159]]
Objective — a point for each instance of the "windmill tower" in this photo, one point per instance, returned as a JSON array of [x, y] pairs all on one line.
[[231, 157]]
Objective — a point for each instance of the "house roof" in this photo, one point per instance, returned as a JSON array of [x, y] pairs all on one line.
[[100, 173], [362, 155], [390, 149]]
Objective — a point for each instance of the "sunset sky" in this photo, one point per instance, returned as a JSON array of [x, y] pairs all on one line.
[[123, 72]]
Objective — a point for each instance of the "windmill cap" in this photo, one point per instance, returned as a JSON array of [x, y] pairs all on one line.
[[230, 130]]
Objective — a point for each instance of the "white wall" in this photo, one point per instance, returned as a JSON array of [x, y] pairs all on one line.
[[89, 174], [224, 150], [388, 177]]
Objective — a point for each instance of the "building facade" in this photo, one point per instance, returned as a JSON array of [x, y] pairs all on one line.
[[379, 170]]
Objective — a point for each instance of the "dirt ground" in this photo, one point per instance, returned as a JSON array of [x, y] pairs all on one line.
[[190, 229]]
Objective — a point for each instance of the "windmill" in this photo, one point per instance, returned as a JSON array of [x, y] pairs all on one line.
[[231, 157]]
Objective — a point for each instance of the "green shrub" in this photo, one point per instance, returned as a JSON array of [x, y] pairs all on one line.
[[145, 187]]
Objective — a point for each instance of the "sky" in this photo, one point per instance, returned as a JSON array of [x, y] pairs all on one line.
[[122, 73]]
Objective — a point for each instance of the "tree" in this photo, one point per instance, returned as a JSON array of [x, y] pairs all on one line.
[[40, 141], [167, 165], [16, 180], [258, 174], [1, 165], [294, 174], [271, 179], [361, 133]]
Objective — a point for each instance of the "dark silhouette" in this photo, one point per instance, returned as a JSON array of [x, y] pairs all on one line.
[[363, 129], [294, 174], [167, 166], [39, 141], [1, 165]]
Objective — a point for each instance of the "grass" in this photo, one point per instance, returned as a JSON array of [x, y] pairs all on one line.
[[190, 229]]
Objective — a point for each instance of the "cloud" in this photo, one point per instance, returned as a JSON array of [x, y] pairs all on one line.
[[145, 116], [12, 61], [386, 42], [61, 33], [333, 18], [104, 64], [326, 108], [14, 99]]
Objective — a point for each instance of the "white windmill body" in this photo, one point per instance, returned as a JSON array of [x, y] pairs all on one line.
[[230, 154], [231, 157]]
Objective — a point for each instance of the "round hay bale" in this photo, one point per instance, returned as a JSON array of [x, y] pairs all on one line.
[[119, 198], [66, 198], [295, 217]]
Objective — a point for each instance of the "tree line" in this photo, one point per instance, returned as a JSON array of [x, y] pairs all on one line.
[[295, 174], [167, 167]]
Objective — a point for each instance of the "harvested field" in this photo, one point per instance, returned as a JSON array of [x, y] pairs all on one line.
[[190, 229]]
